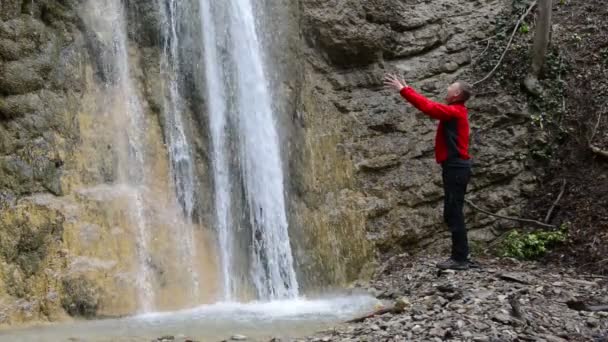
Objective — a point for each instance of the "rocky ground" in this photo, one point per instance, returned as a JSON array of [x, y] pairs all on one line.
[[504, 300]]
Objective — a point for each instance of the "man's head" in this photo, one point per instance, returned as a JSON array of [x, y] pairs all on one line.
[[459, 92]]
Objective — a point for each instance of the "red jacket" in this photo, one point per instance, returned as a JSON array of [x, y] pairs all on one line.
[[452, 139]]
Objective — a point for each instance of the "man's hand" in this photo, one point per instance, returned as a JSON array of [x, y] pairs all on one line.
[[393, 82]]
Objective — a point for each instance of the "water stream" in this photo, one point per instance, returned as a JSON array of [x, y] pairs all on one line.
[[180, 154], [110, 25], [284, 319], [238, 91], [218, 111]]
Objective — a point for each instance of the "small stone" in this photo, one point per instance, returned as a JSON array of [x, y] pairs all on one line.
[[437, 332], [450, 66], [592, 322], [481, 339], [402, 304], [515, 277], [502, 318], [553, 338], [375, 327], [417, 329], [467, 334], [238, 338]]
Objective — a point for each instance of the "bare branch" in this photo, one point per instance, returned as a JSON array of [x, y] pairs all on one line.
[[528, 221], [559, 197], [599, 152], [594, 131]]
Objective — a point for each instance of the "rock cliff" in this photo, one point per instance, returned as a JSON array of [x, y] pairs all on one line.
[[363, 180], [383, 146]]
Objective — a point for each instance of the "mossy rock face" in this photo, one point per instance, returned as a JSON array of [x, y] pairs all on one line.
[[12, 107], [80, 297], [26, 234], [10, 9]]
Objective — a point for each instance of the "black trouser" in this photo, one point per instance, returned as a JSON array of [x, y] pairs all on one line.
[[455, 181]]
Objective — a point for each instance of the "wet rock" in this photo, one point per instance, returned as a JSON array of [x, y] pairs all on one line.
[[80, 298], [167, 338], [238, 338]]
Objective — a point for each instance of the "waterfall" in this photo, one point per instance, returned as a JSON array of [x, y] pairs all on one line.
[[217, 108], [110, 26], [180, 155], [238, 92]]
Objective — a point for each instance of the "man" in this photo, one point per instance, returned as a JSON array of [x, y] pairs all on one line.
[[452, 153]]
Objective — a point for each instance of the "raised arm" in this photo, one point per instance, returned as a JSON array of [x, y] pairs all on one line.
[[433, 109]]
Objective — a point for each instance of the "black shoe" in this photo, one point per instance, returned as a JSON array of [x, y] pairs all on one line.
[[473, 264], [452, 264]]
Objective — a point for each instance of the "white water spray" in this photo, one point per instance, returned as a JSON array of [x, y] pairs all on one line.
[[247, 103]]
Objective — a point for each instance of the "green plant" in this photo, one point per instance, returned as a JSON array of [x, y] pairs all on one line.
[[533, 245], [524, 28]]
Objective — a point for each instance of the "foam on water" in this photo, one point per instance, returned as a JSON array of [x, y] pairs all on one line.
[[282, 318], [300, 309]]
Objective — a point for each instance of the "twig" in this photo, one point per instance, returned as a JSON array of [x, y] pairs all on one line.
[[532, 222], [373, 314], [490, 38], [559, 197], [481, 54], [508, 44], [559, 79], [597, 125], [497, 240], [598, 151]]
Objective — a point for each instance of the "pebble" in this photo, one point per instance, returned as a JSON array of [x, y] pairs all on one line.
[[238, 338], [593, 322]]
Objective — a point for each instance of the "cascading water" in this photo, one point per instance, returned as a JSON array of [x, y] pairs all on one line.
[[110, 25], [244, 98], [217, 108], [180, 155]]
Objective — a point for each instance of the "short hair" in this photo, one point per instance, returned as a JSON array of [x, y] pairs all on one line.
[[466, 91]]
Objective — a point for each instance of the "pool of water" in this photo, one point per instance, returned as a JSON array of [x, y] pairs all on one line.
[[259, 321]]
